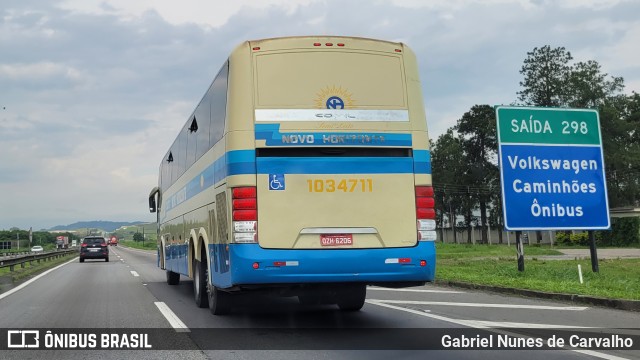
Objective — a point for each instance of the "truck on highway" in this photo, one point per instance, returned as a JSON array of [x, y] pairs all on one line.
[[62, 242]]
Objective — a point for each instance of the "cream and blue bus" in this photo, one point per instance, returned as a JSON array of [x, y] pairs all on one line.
[[303, 171]]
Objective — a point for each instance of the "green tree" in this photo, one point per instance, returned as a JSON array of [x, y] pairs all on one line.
[[546, 72], [620, 122], [588, 87], [138, 237], [477, 130], [446, 170]]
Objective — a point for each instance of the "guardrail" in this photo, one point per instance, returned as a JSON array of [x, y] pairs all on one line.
[[22, 260]]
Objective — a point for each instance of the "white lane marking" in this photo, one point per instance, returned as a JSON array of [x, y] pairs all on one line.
[[485, 325], [417, 290], [600, 355], [472, 323], [171, 317], [23, 285], [504, 306], [134, 273]]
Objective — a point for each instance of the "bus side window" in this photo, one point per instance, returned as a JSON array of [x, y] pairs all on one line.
[[219, 104]]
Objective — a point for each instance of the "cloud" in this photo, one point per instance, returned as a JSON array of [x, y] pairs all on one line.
[[203, 12]]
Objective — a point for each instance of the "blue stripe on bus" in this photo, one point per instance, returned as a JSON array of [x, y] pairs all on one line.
[[241, 162], [273, 137], [421, 161], [237, 162], [175, 258], [347, 165]]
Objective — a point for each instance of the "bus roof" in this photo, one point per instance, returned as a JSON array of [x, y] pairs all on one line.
[[311, 42]]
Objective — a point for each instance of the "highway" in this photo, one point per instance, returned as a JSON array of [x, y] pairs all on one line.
[[130, 292]]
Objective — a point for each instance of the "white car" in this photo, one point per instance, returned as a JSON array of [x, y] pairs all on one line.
[[37, 249]]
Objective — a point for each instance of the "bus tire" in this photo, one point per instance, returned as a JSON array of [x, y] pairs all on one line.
[[173, 278], [219, 301], [200, 284], [351, 298]]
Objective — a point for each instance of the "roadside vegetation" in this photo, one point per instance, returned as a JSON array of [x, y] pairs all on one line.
[[34, 268], [146, 245], [496, 265]]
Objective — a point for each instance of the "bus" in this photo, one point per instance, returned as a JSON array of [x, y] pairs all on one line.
[[303, 171]]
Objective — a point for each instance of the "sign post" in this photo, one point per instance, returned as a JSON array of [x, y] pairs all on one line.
[[552, 170]]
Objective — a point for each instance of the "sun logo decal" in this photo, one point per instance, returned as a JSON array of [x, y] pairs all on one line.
[[333, 97]]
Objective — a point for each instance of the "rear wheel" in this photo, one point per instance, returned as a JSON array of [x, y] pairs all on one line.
[[81, 260], [173, 278], [351, 298], [200, 284], [106, 259], [219, 301]]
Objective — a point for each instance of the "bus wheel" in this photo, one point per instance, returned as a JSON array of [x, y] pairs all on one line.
[[200, 284], [219, 301], [173, 278], [351, 298]]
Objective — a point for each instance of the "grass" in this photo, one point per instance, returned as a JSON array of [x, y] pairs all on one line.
[[457, 251], [617, 279], [28, 270], [148, 245]]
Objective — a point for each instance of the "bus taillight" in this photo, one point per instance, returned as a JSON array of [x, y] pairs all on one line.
[[245, 214], [425, 213]]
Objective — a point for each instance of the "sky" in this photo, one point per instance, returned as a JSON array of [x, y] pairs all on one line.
[[93, 92]]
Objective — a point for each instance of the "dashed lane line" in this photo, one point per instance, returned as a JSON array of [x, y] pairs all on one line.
[[171, 317]]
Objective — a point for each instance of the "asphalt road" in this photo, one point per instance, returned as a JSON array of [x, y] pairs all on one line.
[[129, 292]]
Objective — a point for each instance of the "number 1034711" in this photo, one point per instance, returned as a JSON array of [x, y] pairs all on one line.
[[344, 185]]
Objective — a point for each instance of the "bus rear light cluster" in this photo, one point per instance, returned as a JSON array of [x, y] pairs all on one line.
[[425, 213], [245, 214]]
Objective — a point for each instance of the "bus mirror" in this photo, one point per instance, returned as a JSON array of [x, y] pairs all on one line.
[[152, 200], [152, 204]]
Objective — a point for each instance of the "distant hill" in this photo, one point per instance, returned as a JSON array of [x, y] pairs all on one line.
[[102, 225]]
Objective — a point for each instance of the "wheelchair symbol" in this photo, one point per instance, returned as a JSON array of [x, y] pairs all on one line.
[[276, 182]]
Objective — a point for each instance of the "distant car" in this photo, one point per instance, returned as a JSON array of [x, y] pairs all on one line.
[[37, 249], [94, 247], [113, 242]]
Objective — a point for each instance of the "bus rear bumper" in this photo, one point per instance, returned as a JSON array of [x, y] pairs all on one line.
[[251, 264]]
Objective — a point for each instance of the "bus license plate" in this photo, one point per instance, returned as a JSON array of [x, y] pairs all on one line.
[[336, 239]]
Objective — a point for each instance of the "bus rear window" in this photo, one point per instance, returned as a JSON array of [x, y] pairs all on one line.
[[330, 80]]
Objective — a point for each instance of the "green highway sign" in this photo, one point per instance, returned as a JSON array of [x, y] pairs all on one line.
[[551, 169], [548, 126]]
